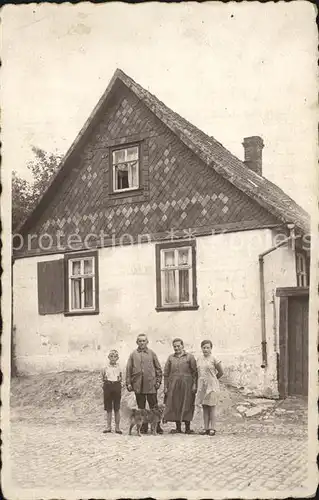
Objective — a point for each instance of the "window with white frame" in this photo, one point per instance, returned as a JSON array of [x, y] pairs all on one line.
[[82, 284], [125, 168], [301, 267], [176, 276]]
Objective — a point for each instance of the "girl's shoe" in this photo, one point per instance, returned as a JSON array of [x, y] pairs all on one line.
[[106, 431], [118, 432], [212, 432], [203, 432], [176, 431], [189, 431]]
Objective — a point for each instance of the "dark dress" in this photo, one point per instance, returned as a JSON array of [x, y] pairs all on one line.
[[180, 375]]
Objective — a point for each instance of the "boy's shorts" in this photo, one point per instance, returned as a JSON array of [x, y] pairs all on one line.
[[112, 395]]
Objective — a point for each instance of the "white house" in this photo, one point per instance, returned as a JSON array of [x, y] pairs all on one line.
[[152, 226]]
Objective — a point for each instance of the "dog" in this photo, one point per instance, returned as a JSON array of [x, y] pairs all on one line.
[[152, 417]]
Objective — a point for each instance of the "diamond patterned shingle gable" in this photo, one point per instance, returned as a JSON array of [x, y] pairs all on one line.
[[190, 194], [131, 114]]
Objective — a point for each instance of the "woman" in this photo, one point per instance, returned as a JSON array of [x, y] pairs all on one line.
[[180, 385]]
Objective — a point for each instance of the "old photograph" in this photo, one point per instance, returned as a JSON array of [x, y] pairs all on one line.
[[160, 309]]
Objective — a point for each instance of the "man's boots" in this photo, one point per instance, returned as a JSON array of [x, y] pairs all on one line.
[[144, 428]]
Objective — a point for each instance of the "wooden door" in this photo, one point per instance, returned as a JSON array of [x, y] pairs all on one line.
[[298, 345]]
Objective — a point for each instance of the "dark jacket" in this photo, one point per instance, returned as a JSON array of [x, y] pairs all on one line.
[[143, 371]]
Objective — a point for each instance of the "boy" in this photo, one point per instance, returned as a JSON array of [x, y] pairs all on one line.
[[112, 383]]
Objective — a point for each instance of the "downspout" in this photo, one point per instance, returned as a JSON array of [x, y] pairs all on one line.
[[261, 256]]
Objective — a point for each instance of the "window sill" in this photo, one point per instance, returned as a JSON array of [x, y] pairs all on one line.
[[177, 308], [81, 313], [124, 190], [127, 193]]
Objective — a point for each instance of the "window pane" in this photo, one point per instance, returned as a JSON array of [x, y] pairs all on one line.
[[76, 267], [183, 285], [132, 153], [169, 258], [133, 174], [88, 292], [118, 156], [183, 257], [88, 266], [169, 287], [122, 177], [76, 293]]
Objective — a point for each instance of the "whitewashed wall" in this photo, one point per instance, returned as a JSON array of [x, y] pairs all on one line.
[[228, 314]]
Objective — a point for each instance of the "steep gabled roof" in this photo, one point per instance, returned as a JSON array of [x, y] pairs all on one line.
[[210, 151]]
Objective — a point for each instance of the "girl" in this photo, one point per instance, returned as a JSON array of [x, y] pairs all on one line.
[[112, 383], [209, 371]]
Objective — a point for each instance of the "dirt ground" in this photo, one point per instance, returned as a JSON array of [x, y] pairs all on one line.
[[77, 396]]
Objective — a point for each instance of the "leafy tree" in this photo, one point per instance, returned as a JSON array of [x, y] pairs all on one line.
[[25, 194], [21, 199]]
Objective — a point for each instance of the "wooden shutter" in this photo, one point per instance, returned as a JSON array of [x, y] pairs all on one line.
[[51, 279]]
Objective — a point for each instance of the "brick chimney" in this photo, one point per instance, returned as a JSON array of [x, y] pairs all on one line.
[[253, 147]]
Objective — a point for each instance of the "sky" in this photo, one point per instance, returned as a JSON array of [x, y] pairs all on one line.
[[233, 70]]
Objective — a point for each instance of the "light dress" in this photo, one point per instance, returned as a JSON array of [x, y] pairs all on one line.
[[208, 385]]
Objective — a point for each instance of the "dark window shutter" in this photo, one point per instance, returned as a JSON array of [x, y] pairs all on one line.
[[51, 286]]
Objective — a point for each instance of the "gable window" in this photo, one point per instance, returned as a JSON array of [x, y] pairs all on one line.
[[302, 270], [125, 168], [176, 276]]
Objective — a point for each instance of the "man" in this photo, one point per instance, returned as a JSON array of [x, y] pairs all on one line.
[[144, 377]]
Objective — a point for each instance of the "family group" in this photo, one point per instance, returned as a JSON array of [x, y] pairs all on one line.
[[187, 383]]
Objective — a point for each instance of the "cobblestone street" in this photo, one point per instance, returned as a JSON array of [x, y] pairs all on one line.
[[58, 448], [70, 457]]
